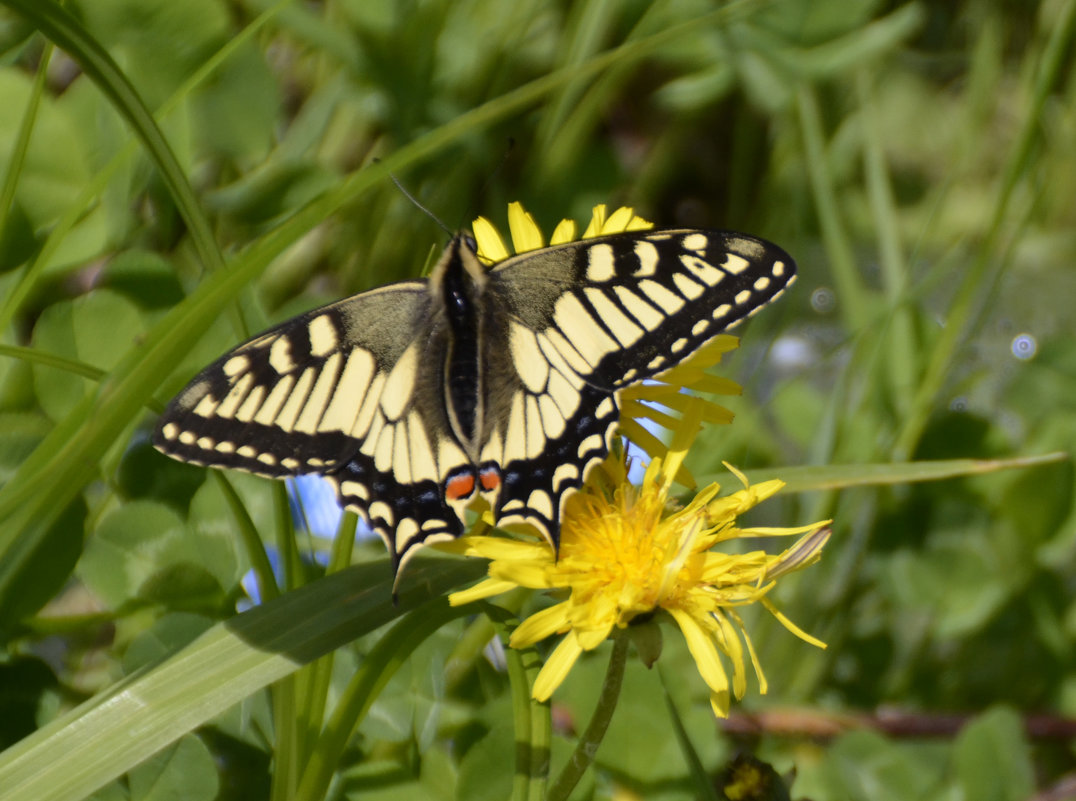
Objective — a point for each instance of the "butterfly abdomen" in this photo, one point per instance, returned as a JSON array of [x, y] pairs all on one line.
[[461, 287]]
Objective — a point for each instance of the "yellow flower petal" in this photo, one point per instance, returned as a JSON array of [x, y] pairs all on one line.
[[597, 222], [564, 232], [737, 503], [733, 648], [701, 645], [681, 441], [763, 685], [556, 668], [618, 221], [788, 624], [526, 235], [524, 573], [719, 703], [491, 248], [540, 625], [486, 588], [499, 547], [623, 219], [489, 547], [652, 447], [589, 639], [709, 354]]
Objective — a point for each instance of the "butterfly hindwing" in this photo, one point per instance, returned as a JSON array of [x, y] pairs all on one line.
[[533, 489]]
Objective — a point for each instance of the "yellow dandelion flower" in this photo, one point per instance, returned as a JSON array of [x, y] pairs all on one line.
[[625, 552]]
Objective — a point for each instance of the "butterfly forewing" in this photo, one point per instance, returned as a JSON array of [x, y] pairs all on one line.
[[625, 307], [378, 392], [295, 398]]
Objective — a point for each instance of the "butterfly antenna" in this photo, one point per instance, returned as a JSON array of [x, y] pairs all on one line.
[[417, 205], [493, 173]]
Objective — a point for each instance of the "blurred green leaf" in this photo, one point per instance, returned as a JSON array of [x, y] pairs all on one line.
[[144, 550], [55, 168], [129, 548], [168, 634], [184, 770], [485, 772], [992, 758], [94, 328], [23, 683], [233, 116], [864, 766], [17, 241], [56, 164], [49, 568], [264, 194], [19, 434], [143, 277], [145, 473], [1038, 501], [958, 585]]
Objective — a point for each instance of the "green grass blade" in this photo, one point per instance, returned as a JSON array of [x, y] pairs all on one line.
[[810, 478], [17, 159], [35, 356], [842, 260], [252, 543], [901, 367]]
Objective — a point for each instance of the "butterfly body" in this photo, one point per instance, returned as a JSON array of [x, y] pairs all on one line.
[[417, 397]]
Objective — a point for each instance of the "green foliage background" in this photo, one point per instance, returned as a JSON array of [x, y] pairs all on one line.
[[917, 159]]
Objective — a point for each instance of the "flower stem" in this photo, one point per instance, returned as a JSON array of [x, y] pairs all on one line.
[[587, 747]]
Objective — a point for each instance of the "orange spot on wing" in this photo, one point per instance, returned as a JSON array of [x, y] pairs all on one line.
[[490, 478], [459, 486]]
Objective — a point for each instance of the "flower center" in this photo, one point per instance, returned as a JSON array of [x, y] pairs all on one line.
[[617, 551]]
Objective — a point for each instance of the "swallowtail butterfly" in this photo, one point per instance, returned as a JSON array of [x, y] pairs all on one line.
[[504, 382]]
